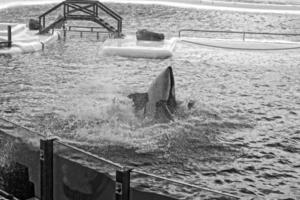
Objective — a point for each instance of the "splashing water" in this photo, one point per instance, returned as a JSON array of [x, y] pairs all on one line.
[[242, 135]]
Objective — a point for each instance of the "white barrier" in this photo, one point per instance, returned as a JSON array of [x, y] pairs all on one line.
[[130, 47], [26, 41]]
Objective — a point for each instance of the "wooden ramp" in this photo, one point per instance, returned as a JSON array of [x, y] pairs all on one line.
[[84, 11]]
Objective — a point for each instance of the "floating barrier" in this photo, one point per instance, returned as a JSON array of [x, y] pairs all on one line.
[[131, 47], [245, 43], [24, 40]]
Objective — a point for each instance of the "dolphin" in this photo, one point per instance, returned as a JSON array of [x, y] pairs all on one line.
[[159, 102]]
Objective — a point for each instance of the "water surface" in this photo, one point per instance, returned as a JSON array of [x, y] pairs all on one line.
[[242, 136]]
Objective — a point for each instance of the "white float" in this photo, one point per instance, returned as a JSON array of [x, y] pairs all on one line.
[[25, 40], [130, 47]]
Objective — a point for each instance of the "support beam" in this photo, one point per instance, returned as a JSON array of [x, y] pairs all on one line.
[[78, 8], [82, 10], [122, 190], [46, 164], [9, 36]]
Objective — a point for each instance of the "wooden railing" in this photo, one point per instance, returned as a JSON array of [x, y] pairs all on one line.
[[86, 29], [42, 18], [89, 11]]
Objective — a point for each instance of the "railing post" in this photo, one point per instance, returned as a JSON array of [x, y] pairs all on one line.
[[9, 36], [40, 22], [94, 9], [65, 10], [97, 10], [122, 190], [46, 162], [44, 22], [244, 35], [119, 27]]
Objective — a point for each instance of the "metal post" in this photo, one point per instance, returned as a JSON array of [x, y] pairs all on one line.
[[44, 22], [119, 28], [97, 11], [121, 24], [94, 10], [40, 22], [97, 35], [244, 35], [46, 161], [68, 9], [122, 190], [81, 34], [9, 36], [65, 10]]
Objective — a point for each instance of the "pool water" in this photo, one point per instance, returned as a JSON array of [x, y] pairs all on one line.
[[241, 137]]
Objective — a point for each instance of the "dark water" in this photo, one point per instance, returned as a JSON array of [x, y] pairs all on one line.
[[242, 136]]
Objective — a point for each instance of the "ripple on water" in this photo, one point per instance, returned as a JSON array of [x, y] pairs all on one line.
[[242, 136]]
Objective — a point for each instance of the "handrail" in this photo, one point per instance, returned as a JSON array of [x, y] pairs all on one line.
[[105, 8], [93, 14], [51, 9], [242, 48], [7, 196], [74, 6], [239, 32], [42, 20], [67, 145], [185, 184], [120, 166], [89, 27], [90, 154]]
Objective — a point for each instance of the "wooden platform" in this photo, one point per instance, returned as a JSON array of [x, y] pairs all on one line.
[[81, 10]]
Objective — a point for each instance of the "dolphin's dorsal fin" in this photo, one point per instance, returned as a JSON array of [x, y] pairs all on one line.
[[159, 102], [162, 88], [171, 102]]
